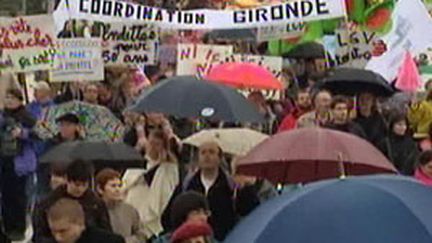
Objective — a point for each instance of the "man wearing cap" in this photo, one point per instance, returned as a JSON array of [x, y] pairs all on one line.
[[69, 129], [43, 100]]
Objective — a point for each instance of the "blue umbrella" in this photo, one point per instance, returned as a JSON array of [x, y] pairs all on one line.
[[372, 209]]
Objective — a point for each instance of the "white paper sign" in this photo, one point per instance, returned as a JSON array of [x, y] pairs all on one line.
[[79, 60], [27, 43], [198, 59], [353, 48], [129, 43], [412, 31]]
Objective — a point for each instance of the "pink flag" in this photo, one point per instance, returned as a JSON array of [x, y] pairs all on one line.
[[409, 77]]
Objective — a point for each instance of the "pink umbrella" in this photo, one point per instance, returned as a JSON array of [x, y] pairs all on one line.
[[409, 77], [312, 154], [244, 75]]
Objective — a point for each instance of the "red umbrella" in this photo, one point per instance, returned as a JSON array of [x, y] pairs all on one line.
[[312, 154], [244, 75]]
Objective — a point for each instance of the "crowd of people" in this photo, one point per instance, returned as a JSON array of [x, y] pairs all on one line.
[[178, 188]]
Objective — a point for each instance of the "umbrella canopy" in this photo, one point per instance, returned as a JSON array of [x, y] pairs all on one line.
[[372, 209], [190, 97], [309, 50], [352, 81], [244, 75], [101, 153], [311, 154], [232, 35], [236, 141], [98, 121]]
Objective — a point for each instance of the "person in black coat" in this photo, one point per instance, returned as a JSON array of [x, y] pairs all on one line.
[[66, 219], [228, 200], [368, 117], [79, 175], [340, 118], [399, 147]]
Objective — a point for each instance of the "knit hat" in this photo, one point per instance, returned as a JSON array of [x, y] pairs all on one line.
[[191, 230], [184, 204]]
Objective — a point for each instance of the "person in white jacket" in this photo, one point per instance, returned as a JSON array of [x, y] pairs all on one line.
[[149, 190]]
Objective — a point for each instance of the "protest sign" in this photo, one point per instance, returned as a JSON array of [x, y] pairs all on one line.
[[353, 48], [129, 43], [277, 32], [412, 32], [27, 43], [193, 59], [288, 12], [78, 60]]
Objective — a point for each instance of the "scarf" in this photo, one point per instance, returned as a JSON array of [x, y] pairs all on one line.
[[421, 176]]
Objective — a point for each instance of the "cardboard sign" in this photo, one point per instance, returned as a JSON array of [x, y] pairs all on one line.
[[353, 48], [288, 12], [193, 59], [78, 60], [277, 32], [27, 43], [129, 43]]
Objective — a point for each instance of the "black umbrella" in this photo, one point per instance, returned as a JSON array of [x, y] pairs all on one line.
[[102, 154], [309, 50], [351, 81], [232, 35], [190, 97]]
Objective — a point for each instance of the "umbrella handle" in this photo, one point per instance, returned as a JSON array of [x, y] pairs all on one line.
[[342, 171]]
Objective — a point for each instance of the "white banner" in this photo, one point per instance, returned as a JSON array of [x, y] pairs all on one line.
[[198, 59], [289, 12], [277, 32], [353, 48], [79, 60], [129, 43], [27, 43], [412, 31]]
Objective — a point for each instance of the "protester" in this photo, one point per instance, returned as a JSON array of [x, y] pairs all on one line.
[[43, 99], [79, 175], [226, 201], [199, 232], [303, 106], [321, 114], [8, 81], [341, 121], [187, 207], [399, 147], [67, 222], [17, 162], [370, 119], [57, 176], [69, 129], [420, 116], [90, 94], [150, 189], [269, 126], [124, 218]]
